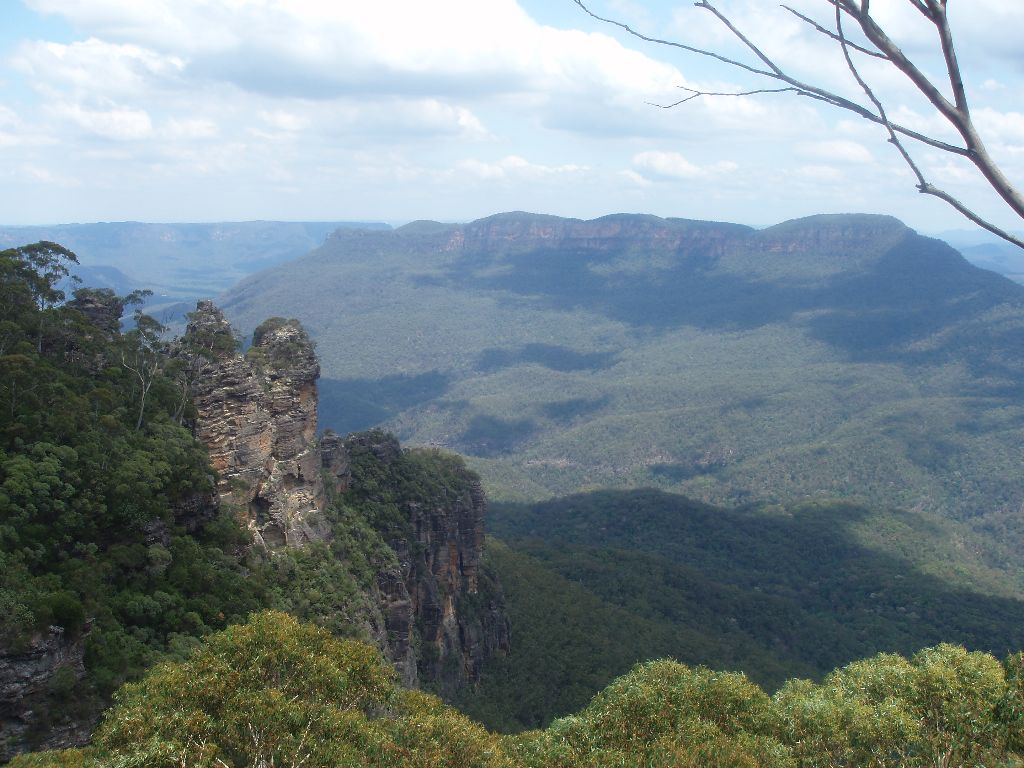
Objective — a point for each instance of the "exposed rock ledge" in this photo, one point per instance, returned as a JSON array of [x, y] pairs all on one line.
[[257, 416]]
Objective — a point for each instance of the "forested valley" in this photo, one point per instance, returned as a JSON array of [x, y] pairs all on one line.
[[821, 632]]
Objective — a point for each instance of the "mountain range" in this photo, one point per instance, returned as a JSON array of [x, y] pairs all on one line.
[[178, 262], [809, 379], [827, 357]]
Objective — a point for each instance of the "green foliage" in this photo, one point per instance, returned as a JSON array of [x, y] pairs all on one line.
[[97, 477], [277, 692], [942, 707], [386, 480], [836, 357], [666, 714], [597, 582], [93, 468]]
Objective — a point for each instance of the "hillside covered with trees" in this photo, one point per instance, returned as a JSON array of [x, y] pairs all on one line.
[[276, 692], [828, 357], [114, 552], [117, 567]]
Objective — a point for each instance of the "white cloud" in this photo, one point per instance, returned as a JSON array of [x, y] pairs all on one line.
[[672, 165], [117, 123], [838, 150], [635, 178], [826, 173], [323, 50], [8, 117], [284, 121], [514, 166], [96, 67], [190, 129], [396, 107], [384, 120], [35, 173], [1006, 127]]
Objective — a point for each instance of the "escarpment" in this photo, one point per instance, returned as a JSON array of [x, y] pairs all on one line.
[[31, 677], [440, 607], [257, 415]]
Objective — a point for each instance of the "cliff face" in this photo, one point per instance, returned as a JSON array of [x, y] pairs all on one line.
[[257, 416], [441, 621], [29, 677]]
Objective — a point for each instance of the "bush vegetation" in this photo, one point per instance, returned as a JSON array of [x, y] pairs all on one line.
[[277, 692]]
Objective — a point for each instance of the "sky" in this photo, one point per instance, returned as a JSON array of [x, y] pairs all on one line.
[[396, 110]]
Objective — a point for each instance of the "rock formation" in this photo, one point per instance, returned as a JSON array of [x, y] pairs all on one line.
[[257, 416], [28, 677], [440, 622]]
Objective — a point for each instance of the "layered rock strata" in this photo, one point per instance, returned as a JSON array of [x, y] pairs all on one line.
[[29, 677], [257, 417]]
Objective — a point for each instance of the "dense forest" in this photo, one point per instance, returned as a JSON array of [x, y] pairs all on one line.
[[839, 356], [594, 582], [111, 549]]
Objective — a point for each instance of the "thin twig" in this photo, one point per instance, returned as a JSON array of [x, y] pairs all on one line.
[[930, 189], [672, 43], [955, 111], [694, 93], [923, 185], [742, 38], [829, 33], [883, 118], [800, 88]]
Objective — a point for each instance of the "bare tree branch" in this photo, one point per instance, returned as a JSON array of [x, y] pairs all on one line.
[[956, 80], [929, 189], [954, 110], [743, 38], [923, 185], [694, 93], [959, 119], [673, 44], [833, 35]]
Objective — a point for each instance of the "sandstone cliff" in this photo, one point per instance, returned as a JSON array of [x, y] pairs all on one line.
[[51, 664], [257, 416], [442, 621]]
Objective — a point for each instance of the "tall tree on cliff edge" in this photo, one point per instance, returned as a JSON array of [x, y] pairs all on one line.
[[860, 39]]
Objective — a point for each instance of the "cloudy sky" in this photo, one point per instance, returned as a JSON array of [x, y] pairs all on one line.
[[393, 110]]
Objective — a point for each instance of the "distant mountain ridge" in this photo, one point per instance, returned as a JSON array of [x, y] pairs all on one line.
[[833, 356], [178, 262]]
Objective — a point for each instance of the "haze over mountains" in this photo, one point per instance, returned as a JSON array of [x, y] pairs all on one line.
[[178, 262], [848, 393], [834, 356]]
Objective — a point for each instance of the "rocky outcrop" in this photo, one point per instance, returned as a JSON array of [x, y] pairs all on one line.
[[441, 621], [257, 417], [101, 307], [443, 581], [50, 666]]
